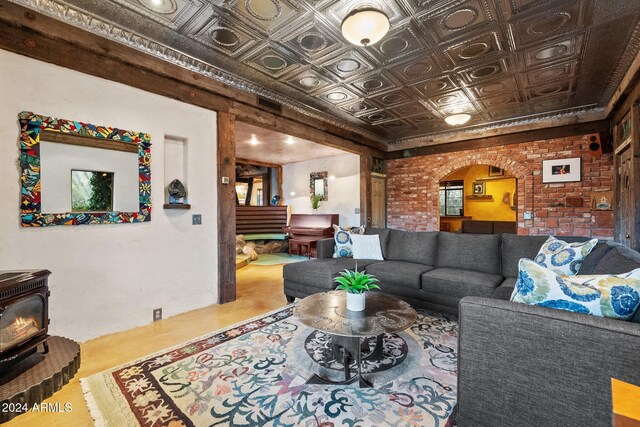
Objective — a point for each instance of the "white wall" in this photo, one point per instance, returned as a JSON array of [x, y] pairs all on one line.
[[344, 190], [108, 278]]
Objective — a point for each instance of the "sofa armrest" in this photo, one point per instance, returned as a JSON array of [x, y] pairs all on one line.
[[325, 248], [522, 365]]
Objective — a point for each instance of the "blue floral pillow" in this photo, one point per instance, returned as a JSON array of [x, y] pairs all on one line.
[[564, 258], [615, 296], [344, 244]]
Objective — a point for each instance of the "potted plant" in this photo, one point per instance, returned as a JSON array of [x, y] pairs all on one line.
[[315, 202], [356, 283]]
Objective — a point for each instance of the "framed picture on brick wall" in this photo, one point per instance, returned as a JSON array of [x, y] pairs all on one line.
[[563, 170]]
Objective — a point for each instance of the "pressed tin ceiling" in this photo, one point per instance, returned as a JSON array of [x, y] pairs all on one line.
[[504, 62]]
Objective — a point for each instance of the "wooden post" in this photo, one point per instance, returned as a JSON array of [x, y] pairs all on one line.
[[278, 170], [366, 162], [226, 208]]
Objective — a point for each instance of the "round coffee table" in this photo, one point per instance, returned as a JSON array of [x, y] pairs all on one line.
[[327, 312]]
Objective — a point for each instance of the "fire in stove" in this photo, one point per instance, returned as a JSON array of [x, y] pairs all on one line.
[[20, 330]]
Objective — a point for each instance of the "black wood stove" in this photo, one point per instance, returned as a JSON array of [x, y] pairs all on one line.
[[24, 315]]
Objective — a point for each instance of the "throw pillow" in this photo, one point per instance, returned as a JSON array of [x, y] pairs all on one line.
[[342, 236], [366, 247], [564, 258], [615, 296]]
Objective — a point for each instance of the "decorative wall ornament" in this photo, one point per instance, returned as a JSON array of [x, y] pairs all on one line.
[[478, 188], [32, 125], [563, 170], [319, 185]]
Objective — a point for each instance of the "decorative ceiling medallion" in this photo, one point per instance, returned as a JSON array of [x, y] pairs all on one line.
[[551, 52], [348, 65], [459, 19], [309, 82], [548, 24], [273, 63], [373, 84], [164, 7], [224, 37], [312, 42], [337, 96], [474, 50], [393, 45], [359, 107], [417, 69], [264, 10]]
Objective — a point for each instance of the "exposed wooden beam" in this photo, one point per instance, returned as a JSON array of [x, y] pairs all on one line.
[[626, 101], [601, 127], [279, 182], [629, 80], [257, 163], [226, 208], [38, 36]]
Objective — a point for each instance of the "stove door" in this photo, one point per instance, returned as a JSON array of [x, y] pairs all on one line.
[[21, 320]]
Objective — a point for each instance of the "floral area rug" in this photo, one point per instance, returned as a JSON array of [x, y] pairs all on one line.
[[255, 373]]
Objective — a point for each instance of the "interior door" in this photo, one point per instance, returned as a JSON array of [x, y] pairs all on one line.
[[625, 198], [378, 202]]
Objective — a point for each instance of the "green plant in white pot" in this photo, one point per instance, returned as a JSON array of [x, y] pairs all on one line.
[[356, 284]]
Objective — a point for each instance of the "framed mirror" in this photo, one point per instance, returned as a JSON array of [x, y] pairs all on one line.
[[319, 185], [76, 173]]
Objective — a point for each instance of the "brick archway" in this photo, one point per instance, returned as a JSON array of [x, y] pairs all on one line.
[[523, 175]]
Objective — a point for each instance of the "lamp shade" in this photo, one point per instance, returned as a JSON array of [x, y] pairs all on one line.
[[457, 119], [365, 27]]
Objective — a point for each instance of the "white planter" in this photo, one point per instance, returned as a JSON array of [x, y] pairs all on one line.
[[355, 302]]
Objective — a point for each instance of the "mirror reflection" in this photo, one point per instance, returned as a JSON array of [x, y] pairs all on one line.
[[91, 191]]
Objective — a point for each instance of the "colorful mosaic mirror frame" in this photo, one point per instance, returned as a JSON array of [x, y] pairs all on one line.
[[32, 125]]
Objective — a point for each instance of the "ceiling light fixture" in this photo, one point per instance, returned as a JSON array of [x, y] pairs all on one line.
[[156, 2], [254, 140], [457, 119], [365, 26], [290, 141]]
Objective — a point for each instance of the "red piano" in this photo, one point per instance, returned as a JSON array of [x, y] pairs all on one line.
[[306, 229]]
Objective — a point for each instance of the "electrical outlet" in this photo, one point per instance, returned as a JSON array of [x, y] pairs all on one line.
[[196, 219], [225, 180], [528, 215], [157, 314], [357, 211]]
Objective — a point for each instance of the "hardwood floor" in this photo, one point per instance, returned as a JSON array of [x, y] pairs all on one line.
[[259, 290]]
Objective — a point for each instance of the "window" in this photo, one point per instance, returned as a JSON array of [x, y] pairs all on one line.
[[452, 198]]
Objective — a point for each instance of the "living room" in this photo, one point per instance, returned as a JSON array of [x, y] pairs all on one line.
[[143, 318]]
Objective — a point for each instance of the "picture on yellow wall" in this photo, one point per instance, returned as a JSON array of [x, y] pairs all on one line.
[[478, 188], [495, 171]]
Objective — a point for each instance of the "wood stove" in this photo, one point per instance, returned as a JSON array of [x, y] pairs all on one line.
[[24, 315]]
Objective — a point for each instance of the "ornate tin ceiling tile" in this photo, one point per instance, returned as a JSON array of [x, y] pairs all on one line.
[[373, 83], [267, 15], [410, 109], [513, 7], [312, 40], [221, 34], [172, 13], [547, 22], [488, 70], [337, 95], [475, 49], [496, 86], [500, 101], [449, 98], [393, 125], [417, 69], [308, 80], [552, 89], [377, 117], [434, 86], [399, 44], [349, 64], [550, 104], [458, 20], [553, 50], [394, 97], [360, 107], [544, 75], [271, 60]]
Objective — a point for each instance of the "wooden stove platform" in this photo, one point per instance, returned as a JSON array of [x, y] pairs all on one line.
[[39, 376]]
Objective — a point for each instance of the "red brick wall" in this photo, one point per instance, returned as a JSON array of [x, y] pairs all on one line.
[[413, 187]]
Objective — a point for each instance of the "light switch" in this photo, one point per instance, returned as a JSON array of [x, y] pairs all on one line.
[[225, 180], [196, 219], [527, 215]]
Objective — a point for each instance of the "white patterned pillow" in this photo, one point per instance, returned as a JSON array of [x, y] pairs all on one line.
[[564, 258], [344, 244], [615, 296], [366, 247]]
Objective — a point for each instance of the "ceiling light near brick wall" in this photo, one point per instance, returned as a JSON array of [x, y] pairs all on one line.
[[365, 26], [457, 119]]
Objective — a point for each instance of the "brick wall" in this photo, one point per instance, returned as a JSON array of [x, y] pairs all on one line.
[[413, 187]]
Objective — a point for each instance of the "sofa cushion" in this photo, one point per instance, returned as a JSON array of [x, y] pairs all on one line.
[[411, 246], [320, 272], [591, 261], [469, 252], [619, 259], [515, 247], [562, 257], [383, 233], [615, 296], [460, 283], [398, 273], [505, 289]]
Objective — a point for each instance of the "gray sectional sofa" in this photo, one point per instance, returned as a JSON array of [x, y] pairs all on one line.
[[435, 270], [518, 365]]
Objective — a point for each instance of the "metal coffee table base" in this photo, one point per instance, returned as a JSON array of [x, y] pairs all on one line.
[[350, 347]]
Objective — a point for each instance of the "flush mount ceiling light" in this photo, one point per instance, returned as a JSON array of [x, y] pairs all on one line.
[[365, 26], [457, 119], [254, 140]]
